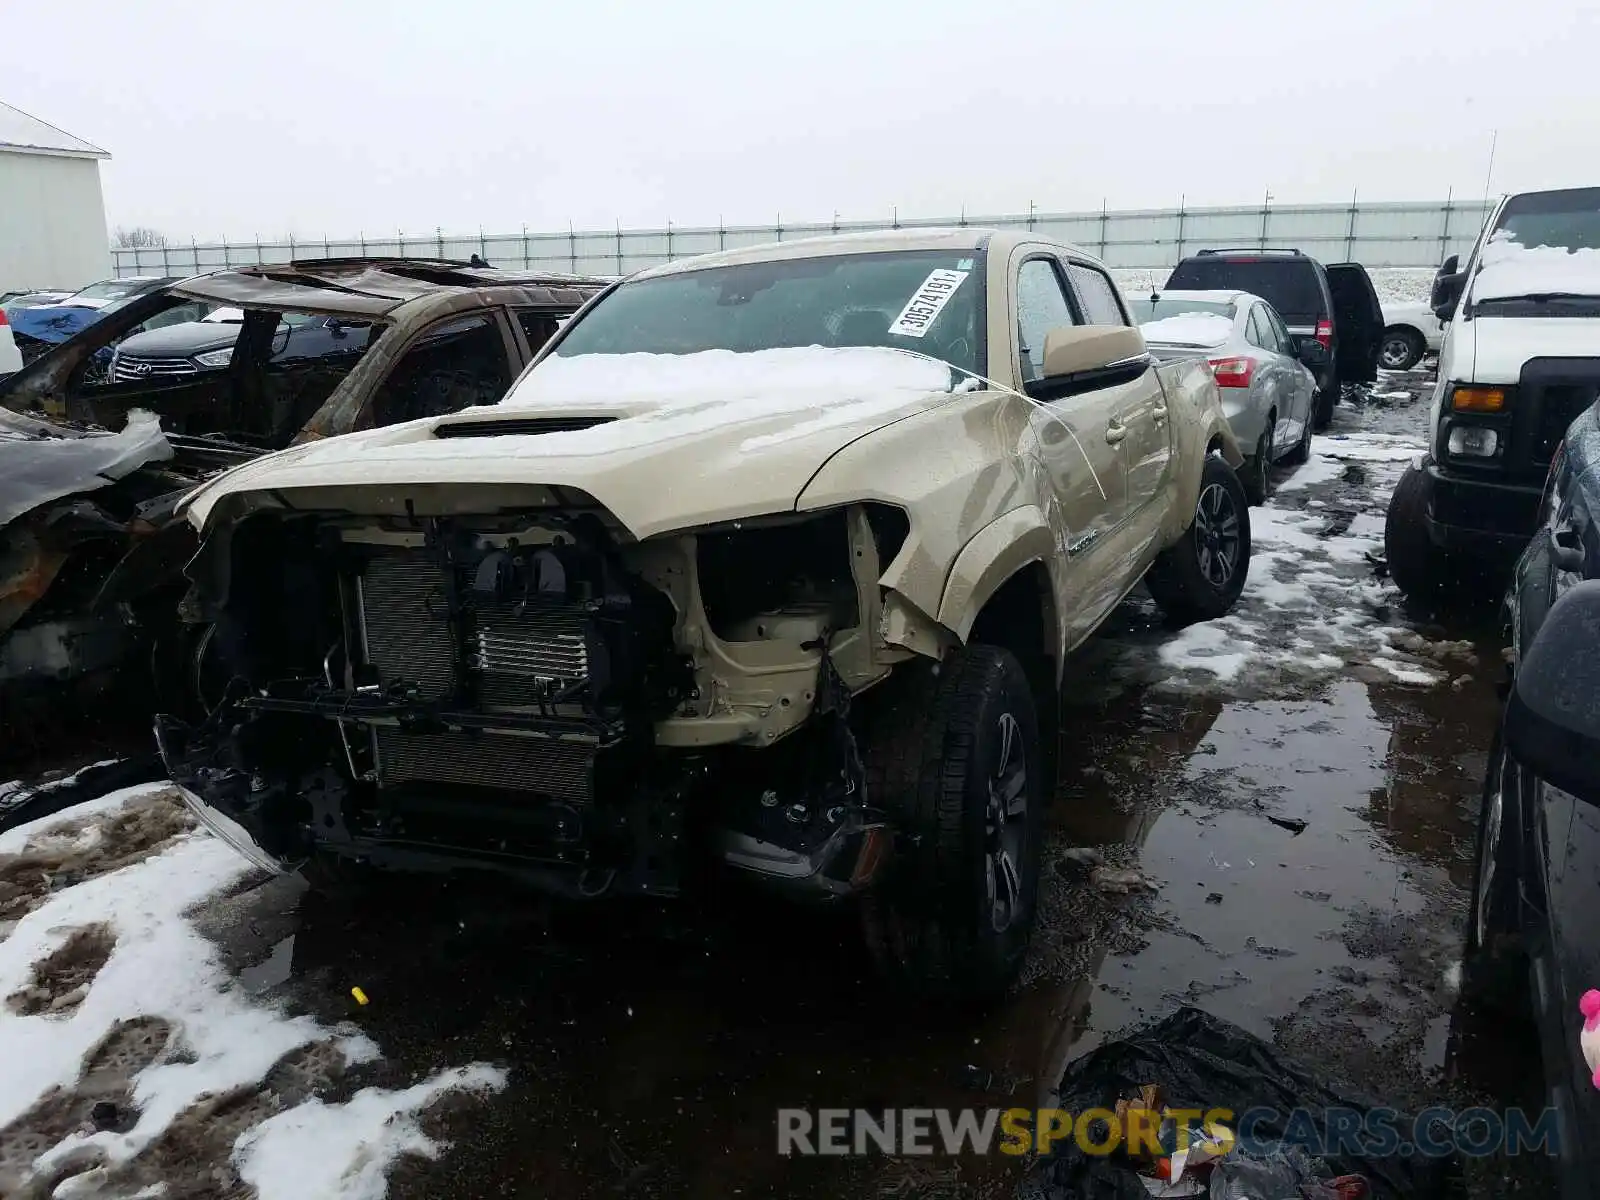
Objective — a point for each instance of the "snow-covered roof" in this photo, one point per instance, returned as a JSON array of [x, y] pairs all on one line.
[[24, 134]]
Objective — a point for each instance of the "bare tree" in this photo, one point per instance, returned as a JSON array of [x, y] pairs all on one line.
[[138, 236]]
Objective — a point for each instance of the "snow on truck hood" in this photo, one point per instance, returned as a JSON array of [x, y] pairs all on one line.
[[686, 439]]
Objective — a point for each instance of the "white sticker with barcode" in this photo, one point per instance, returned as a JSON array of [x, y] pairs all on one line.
[[927, 303]]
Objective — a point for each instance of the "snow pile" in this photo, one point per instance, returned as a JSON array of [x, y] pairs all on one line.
[[1188, 329], [161, 968], [1508, 268]]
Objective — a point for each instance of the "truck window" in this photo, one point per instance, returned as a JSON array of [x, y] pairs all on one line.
[[537, 327], [452, 365], [1041, 306], [1097, 294]]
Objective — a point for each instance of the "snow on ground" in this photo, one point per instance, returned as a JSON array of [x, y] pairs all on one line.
[[94, 950], [1313, 604]]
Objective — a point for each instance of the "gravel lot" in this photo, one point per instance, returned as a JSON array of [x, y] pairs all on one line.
[[167, 1017]]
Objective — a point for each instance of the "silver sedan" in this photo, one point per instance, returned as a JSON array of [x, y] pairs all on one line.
[[1267, 388]]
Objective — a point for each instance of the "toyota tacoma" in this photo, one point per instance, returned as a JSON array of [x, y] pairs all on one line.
[[770, 563]]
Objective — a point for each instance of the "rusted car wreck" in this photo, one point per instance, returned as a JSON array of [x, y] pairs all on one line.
[[95, 455]]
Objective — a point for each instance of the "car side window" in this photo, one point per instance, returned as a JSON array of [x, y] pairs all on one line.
[[1042, 305], [1097, 294], [1280, 330], [538, 327], [1253, 332]]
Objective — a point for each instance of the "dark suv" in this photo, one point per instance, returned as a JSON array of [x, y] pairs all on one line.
[[1336, 306], [1533, 946]]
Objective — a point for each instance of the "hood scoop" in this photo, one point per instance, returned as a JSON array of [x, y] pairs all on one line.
[[518, 426]]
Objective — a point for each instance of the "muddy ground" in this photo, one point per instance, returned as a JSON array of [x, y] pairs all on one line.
[[649, 1048]]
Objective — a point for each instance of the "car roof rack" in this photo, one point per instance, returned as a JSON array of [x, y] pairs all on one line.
[[1284, 250]]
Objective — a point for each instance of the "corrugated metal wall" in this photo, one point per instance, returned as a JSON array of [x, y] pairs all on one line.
[[52, 222], [1379, 235]]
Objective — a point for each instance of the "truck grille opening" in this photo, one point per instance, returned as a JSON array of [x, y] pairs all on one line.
[[518, 426], [558, 767]]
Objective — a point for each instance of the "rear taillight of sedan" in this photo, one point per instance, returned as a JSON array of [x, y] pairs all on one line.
[[3, 320], [1233, 372], [1325, 334]]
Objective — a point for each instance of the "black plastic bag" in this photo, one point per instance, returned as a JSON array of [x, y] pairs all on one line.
[[1200, 1061]]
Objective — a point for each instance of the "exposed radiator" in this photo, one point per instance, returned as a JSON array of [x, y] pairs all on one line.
[[404, 616], [521, 653], [547, 766]]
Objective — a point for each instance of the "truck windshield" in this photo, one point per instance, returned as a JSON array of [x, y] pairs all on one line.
[[926, 301], [1542, 258], [1569, 219]]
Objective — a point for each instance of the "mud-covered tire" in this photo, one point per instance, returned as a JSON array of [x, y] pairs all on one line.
[[1322, 406], [1494, 966], [1185, 579], [1418, 567], [942, 760], [1257, 478]]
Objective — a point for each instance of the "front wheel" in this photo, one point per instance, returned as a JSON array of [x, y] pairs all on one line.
[[956, 761], [1322, 406], [1419, 568], [1494, 967], [1258, 471], [1199, 577]]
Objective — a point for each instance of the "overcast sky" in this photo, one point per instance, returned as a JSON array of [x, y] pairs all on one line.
[[346, 116]]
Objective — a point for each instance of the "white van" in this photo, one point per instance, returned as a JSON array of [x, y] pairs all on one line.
[[1520, 361]]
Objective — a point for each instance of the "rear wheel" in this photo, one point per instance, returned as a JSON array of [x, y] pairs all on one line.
[[956, 762], [1200, 576], [1400, 349], [1418, 567]]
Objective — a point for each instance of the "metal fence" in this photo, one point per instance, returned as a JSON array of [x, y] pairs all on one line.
[[1379, 235]]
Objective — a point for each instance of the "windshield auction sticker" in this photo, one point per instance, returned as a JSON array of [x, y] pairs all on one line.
[[927, 303]]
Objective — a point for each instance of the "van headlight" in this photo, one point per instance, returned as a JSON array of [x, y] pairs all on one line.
[[1473, 441]]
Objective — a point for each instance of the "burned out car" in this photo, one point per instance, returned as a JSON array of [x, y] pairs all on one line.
[[93, 463], [771, 561]]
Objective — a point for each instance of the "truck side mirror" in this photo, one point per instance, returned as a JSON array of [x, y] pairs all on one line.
[[1553, 717], [1446, 294], [1450, 266]]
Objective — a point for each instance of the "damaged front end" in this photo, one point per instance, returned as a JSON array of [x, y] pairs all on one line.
[[536, 694], [91, 556]]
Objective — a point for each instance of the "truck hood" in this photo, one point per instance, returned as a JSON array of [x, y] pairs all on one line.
[[675, 441], [1501, 345]]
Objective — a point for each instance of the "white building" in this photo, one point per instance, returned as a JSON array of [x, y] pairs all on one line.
[[52, 215]]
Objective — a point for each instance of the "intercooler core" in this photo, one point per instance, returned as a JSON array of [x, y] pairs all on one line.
[[509, 654]]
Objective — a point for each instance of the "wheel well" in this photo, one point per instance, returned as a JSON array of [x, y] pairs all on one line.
[[1021, 617], [1214, 446], [1411, 329]]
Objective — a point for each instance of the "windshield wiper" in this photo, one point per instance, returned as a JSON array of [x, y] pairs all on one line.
[[1540, 297]]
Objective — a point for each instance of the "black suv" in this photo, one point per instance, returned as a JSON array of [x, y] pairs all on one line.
[[1533, 945], [1336, 306]]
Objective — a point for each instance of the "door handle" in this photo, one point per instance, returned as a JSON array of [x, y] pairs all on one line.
[[1115, 432], [1160, 413]]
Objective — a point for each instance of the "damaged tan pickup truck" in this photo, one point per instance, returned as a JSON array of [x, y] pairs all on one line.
[[770, 562]]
